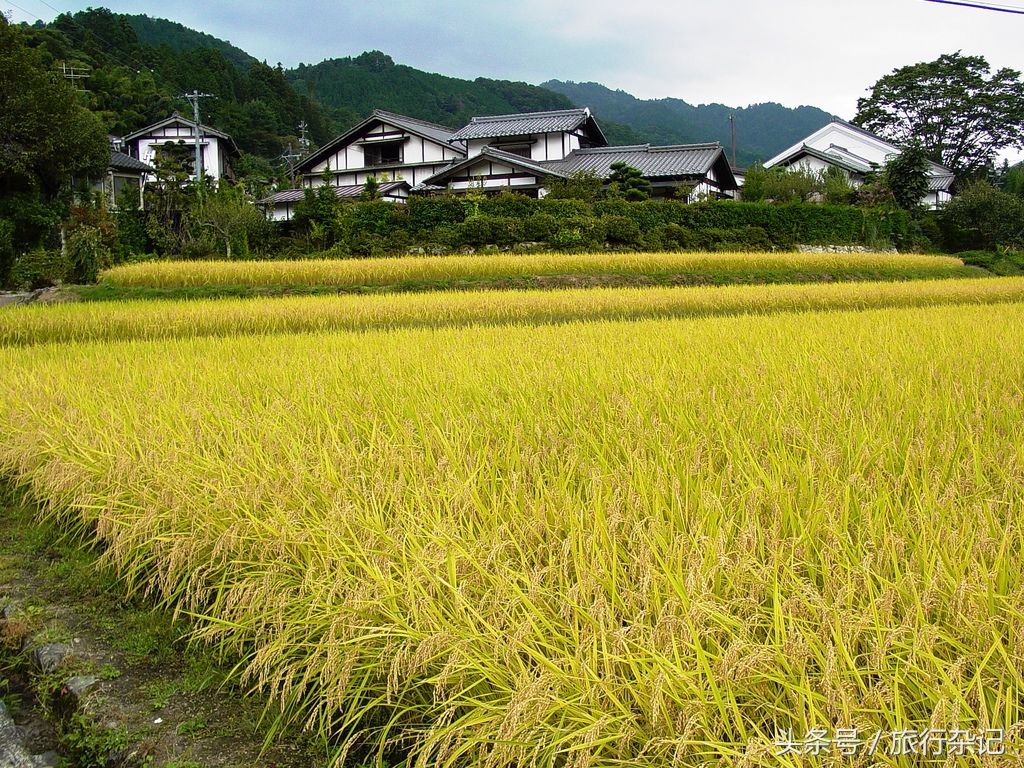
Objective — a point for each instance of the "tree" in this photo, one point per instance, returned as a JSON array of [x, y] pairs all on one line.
[[46, 137], [780, 185], [960, 113], [1013, 180], [628, 182], [906, 176], [231, 217], [371, 189]]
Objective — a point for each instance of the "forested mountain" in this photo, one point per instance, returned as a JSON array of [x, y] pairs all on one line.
[[762, 130], [132, 83], [355, 86], [158, 32]]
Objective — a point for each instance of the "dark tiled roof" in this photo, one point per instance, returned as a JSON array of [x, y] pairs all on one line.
[[351, 191], [440, 133], [122, 162], [652, 162], [494, 126], [500, 156]]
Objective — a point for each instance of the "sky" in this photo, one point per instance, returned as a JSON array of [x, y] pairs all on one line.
[[825, 53]]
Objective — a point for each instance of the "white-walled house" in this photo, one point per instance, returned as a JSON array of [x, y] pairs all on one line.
[[400, 152], [858, 153], [522, 152], [216, 148]]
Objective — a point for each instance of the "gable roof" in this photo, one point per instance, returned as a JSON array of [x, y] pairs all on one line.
[[844, 160], [668, 162], [119, 161], [439, 134], [555, 121], [177, 118], [506, 158]]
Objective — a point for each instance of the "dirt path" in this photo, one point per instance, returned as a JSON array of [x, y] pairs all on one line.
[[131, 691]]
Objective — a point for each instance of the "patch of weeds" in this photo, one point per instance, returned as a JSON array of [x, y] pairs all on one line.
[[89, 745], [52, 634], [183, 764], [108, 672], [191, 727], [144, 636], [202, 673], [26, 620], [160, 692]]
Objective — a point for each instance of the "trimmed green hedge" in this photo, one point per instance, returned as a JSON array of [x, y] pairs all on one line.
[[365, 228]]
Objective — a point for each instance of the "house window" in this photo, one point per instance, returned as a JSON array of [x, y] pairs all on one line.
[[389, 153], [519, 148]]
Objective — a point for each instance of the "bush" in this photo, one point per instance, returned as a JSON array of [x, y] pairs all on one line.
[[996, 262], [6, 251], [87, 255], [476, 230], [675, 236], [39, 268], [621, 230], [426, 214], [983, 218], [579, 232], [540, 226]]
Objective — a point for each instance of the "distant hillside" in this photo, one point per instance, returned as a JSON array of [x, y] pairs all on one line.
[[762, 130], [139, 67], [373, 80], [157, 32]]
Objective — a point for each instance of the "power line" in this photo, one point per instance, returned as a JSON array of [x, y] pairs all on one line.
[[980, 6]]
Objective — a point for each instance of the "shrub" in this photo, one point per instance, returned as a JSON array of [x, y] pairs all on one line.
[[983, 218], [426, 214], [621, 230], [675, 236], [997, 262], [578, 232], [6, 251], [39, 268], [476, 230], [508, 205], [87, 255], [539, 226]]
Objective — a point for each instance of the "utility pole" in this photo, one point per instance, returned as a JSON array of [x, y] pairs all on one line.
[[194, 99], [732, 130], [303, 137], [289, 157]]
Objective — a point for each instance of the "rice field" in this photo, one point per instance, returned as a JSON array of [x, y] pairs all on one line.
[[654, 542], [427, 270], [35, 324]]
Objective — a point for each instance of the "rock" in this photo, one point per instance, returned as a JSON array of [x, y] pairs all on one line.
[[529, 247], [12, 752], [10, 611], [467, 250], [76, 688], [416, 251], [46, 760], [48, 657]]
